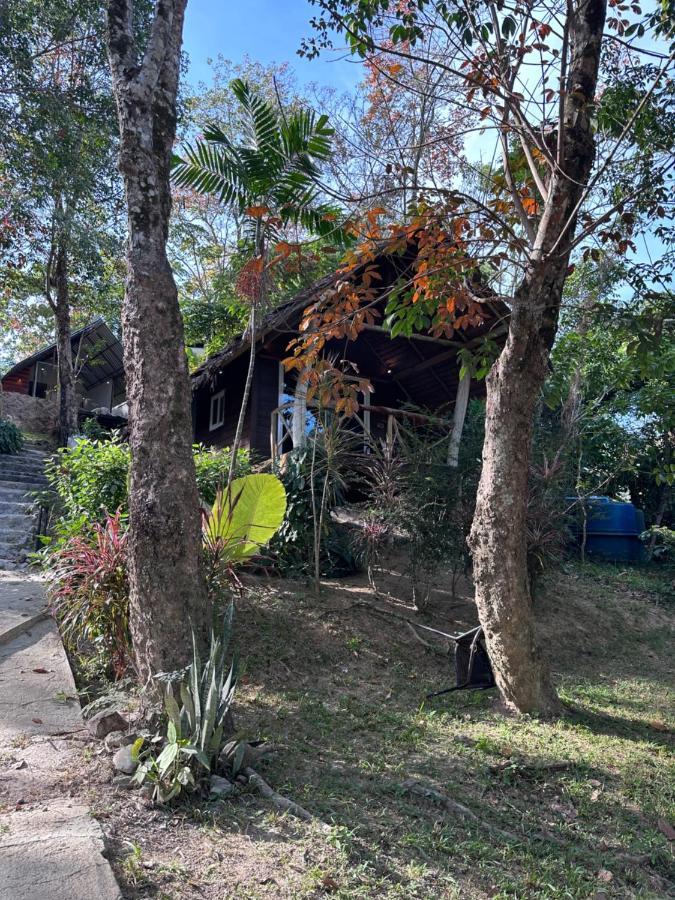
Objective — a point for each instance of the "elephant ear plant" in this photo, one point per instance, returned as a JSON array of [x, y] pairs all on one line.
[[195, 728], [243, 519]]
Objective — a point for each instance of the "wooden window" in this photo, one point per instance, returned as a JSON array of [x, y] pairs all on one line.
[[217, 413]]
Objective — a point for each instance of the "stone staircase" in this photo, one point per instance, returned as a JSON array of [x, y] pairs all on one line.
[[20, 475]]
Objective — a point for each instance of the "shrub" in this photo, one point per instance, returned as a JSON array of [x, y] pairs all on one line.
[[213, 466], [91, 479], [92, 429], [660, 541], [89, 596], [11, 439], [415, 494], [293, 546]]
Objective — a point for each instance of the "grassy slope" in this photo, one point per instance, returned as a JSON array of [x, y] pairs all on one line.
[[343, 691]]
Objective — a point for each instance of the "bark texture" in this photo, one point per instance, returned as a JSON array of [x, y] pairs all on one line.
[[168, 593], [498, 537], [68, 405]]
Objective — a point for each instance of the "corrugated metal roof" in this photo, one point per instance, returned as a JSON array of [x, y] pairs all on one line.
[[96, 344]]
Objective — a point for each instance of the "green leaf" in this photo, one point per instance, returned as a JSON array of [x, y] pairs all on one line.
[[245, 517], [136, 748], [166, 758], [238, 758]]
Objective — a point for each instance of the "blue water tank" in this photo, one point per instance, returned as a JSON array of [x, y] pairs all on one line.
[[613, 530]]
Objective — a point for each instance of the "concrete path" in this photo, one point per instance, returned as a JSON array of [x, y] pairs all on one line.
[[50, 847]]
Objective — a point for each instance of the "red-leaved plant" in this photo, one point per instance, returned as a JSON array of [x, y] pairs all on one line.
[[90, 594]]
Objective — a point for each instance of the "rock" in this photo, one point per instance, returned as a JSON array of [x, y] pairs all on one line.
[[123, 782], [123, 761], [117, 739], [251, 754], [114, 740], [102, 723], [221, 787]]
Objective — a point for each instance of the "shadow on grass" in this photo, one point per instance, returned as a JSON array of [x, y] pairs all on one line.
[[619, 726]]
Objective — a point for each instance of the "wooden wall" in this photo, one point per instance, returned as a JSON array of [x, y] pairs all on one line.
[[18, 382]]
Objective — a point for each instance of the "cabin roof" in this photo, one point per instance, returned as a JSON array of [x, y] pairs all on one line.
[[97, 344], [420, 355], [282, 319]]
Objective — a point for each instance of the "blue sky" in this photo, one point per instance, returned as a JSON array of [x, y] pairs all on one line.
[[265, 30]]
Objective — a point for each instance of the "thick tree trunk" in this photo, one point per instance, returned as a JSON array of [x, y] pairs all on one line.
[[68, 424], [498, 537], [499, 532], [167, 591]]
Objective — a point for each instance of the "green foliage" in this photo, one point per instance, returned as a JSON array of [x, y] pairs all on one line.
[[195, 728], [310, 474], [212, 466], [614, 378], [276, 166], [60, 183], [91, 478], [245, 517], [662, 539], [94, 431], [11, 439]]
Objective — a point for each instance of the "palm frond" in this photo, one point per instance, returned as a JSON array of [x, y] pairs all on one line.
[[211, 168], [261, 122]]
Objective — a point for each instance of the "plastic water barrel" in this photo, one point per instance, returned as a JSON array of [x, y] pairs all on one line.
[[613, 530]]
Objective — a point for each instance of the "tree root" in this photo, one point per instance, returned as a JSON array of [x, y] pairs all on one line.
[[427, 792], [281, 802]]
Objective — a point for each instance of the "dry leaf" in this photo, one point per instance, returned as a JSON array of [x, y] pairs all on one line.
[[605, 875], [41, 671]]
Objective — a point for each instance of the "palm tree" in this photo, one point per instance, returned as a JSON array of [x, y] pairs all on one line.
[[271, 180]]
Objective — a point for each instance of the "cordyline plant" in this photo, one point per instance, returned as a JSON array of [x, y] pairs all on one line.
[[579, 119], [90, 593]]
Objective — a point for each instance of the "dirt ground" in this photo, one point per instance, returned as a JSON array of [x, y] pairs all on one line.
[[580, 807]]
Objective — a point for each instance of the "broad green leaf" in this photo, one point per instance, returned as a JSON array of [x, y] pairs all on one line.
[[245, 517]]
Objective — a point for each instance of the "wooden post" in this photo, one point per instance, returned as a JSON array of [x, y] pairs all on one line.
[[461, 403], [299, 413]]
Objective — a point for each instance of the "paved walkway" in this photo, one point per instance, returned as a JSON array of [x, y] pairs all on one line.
[[50, 847]]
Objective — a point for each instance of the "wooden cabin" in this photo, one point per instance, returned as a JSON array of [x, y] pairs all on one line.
[[420, 372]]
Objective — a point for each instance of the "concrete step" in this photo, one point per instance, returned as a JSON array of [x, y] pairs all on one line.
[[15, 504], [14, 522], [13, 550], [15, 462], [21, 478], [21, 474], [31, 462]]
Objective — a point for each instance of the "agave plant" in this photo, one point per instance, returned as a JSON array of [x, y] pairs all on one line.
[[196, 727], [271, 180]]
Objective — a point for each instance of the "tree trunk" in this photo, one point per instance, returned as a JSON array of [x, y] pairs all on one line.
[[167, 590], [68, 423], [498, 537]]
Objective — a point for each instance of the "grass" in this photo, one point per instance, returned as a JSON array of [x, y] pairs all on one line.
[[563, 809]]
